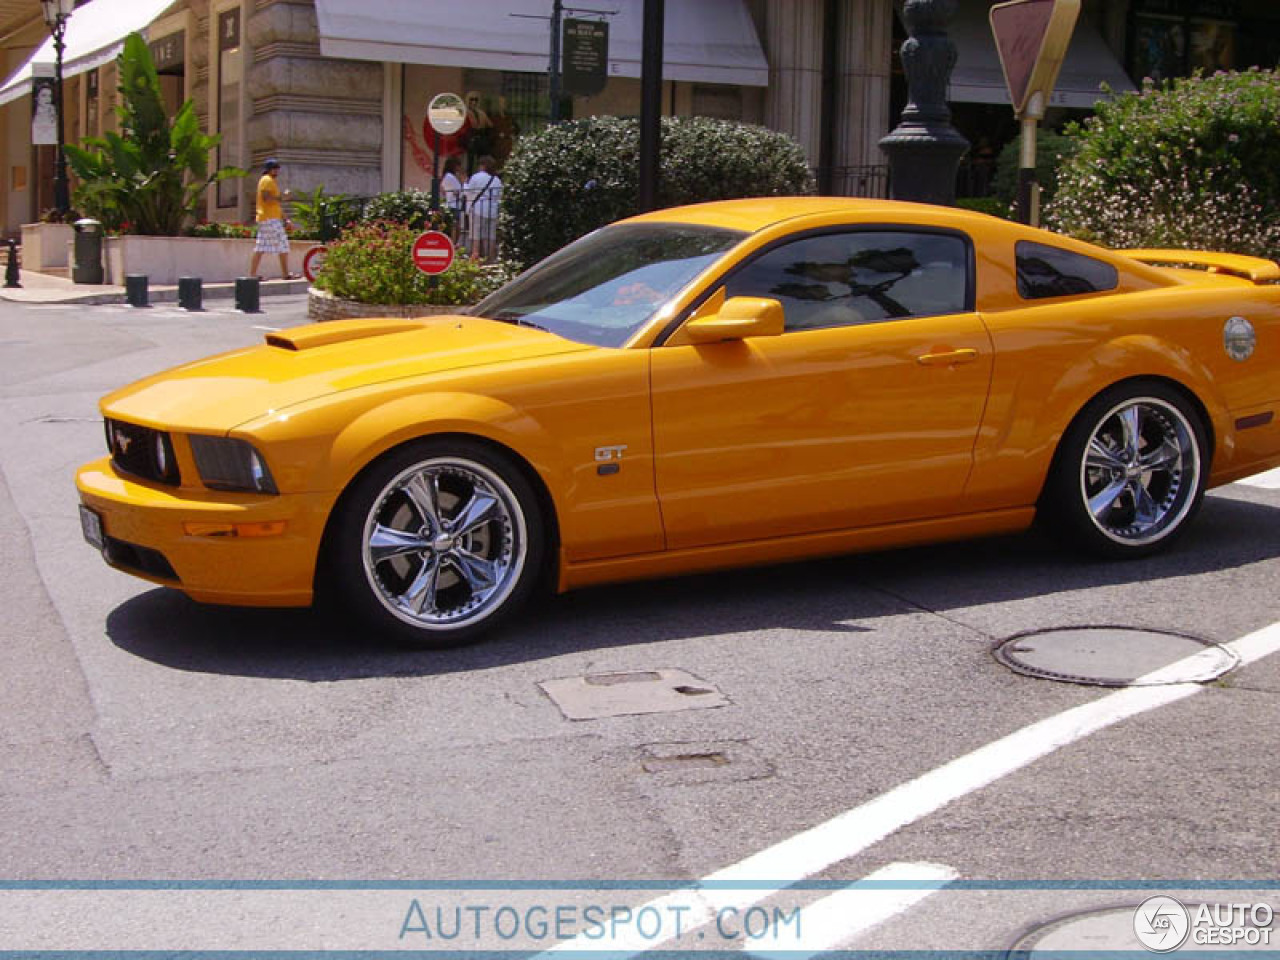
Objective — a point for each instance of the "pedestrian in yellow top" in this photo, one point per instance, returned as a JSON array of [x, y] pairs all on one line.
[[272, 234]]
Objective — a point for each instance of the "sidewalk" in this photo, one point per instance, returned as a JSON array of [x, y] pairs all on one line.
[[46, 288]]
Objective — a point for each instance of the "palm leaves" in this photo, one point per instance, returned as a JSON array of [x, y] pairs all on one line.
[[153, 175]]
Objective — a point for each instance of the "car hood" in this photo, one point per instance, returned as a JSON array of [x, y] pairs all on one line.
[[304, 363]]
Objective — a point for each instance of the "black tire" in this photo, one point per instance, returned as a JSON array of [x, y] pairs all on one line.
[[437, 543], [1130, 472]]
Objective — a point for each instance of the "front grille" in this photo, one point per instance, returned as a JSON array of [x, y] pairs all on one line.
[[130, 556], [142, 452]]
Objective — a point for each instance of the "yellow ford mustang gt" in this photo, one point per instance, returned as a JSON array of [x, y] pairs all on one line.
[[730, 383]]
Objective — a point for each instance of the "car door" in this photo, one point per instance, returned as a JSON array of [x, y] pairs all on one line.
[[864, 411]]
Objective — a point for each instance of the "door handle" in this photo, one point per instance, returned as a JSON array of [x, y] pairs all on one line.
[[949, 358]]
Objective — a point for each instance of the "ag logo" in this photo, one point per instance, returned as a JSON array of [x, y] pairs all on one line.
[[1161, 924]]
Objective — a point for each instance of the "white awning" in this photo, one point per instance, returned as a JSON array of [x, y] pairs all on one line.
[[705, 41], [95, 34], [977, 77]]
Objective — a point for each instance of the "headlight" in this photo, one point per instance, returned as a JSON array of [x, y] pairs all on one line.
[[160, 450], [226, 463]]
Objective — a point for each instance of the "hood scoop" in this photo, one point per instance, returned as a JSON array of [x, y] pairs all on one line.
[[338, 331]]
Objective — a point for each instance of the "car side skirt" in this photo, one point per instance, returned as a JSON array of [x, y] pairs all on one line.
[[782, 549]]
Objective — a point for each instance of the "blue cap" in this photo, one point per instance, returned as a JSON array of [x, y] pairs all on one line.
[[271, 164]]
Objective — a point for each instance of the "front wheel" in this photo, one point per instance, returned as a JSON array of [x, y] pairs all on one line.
[[438, 543], [1130, 473]]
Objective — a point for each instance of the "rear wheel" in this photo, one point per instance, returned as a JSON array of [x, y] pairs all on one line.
[[438, 543], [1130, 473]]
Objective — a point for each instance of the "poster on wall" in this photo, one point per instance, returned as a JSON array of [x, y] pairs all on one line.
[[44, 111], [1160, 50], [1213, 45]]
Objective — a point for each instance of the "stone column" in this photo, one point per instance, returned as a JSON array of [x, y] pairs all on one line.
[[321, 117], [864, 65], [793, 46], [925, 149]]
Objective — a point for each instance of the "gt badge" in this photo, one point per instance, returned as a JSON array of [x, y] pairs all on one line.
[[605, 454], [607, 459], [1239, 339]]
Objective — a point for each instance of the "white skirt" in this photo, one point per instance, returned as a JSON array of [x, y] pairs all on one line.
[[272, 237]]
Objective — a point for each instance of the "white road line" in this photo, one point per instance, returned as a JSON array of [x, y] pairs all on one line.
[[1267, 481], [834, 920], [268, 329], [853, 831]]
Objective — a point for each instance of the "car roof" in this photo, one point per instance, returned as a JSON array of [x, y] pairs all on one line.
[[758, 213]]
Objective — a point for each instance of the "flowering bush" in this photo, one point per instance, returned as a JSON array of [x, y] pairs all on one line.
[[373, 263], [1194, 164], [224, 231]]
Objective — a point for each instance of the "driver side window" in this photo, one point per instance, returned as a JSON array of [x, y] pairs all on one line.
[[856, 277]]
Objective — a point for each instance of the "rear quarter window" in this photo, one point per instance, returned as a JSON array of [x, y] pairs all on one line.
[[1045, 272]]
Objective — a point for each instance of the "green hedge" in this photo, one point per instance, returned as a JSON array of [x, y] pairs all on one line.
[[412, 207], [1193, 164], [1052, 150], [570, 179]]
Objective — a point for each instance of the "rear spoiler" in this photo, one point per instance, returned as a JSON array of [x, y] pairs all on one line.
[[1251, 268]]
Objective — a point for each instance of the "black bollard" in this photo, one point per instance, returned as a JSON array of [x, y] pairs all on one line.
[[11, 268], [135, 289], [247, 294], [190, 293]]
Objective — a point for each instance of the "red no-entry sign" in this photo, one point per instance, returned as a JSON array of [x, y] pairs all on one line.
[[433, 252]]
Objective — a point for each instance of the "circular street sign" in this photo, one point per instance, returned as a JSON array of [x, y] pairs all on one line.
[[446, 113], [432, 252]]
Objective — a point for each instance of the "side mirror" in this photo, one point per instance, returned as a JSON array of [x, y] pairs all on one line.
[[738, 319]]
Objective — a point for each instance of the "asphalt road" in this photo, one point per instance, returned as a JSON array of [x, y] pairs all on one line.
[[148, 738]]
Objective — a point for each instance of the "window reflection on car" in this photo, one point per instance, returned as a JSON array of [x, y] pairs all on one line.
[[855, 277], [606, 286]]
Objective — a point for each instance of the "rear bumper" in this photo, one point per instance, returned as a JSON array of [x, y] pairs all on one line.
[[146, 526]]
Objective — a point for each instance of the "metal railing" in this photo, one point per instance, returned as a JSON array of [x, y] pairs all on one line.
[[865, 180]]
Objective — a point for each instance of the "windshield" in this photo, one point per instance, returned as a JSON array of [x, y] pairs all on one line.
[[603, 288]]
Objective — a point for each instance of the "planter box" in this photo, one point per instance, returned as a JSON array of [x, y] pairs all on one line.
[[322, 306], [163, 260], [45, 245]]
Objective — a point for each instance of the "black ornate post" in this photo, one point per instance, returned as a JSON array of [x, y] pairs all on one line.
[[56, 13], [925, 149]]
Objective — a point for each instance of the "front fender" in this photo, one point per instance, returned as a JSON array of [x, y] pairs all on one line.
[[399, 421], [325, 447]]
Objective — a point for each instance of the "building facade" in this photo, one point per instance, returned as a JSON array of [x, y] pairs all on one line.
[[337, 89]]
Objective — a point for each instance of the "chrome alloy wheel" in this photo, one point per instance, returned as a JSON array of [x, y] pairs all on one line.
[[444, 544], [1141, 471]]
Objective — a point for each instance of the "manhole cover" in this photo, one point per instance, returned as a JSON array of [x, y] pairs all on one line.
[[626, 694], [1107, 929], [1115, 657]]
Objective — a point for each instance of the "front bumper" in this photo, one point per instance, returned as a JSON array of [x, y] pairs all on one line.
[[146, 528]]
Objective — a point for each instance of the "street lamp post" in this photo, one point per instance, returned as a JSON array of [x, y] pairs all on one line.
[[925, 149], [56, 14]]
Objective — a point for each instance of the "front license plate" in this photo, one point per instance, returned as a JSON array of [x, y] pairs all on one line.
[[91, 525]]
